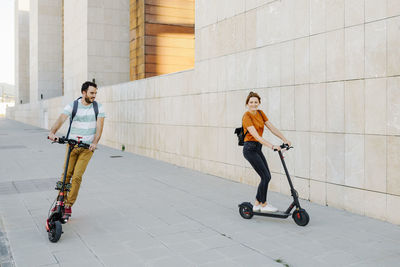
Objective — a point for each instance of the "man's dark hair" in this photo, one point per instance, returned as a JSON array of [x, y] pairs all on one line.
[[86, 85]]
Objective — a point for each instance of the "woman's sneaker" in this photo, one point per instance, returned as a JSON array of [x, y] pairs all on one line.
[[269, 208], [256, 208]]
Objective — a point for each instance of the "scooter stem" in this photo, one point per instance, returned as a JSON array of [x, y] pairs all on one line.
[[286, 170], [292, 190], [65, 171]]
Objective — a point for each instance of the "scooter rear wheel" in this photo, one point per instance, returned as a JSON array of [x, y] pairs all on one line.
[[246, 212], [301, 217], [55, 231]]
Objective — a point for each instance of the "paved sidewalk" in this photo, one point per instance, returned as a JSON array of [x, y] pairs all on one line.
[[137, 211]]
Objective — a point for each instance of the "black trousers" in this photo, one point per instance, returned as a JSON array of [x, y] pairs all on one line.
[[252, 152]]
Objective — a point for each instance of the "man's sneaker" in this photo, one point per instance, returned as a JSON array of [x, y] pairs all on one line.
[[256, 208], [269, 208], [67, 211]]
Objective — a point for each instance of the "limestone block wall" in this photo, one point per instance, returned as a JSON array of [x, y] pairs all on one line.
[[41, 114], [108, 41]]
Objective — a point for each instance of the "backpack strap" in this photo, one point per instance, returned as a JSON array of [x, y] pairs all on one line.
[[96, 109], [244, 129], [74, 110], [245, 133], [259, 112]]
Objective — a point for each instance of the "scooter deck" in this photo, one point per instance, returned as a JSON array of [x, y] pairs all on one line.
[[278, 214]]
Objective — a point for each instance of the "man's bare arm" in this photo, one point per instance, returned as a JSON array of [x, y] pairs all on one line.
[[57, 125], [99, 131]]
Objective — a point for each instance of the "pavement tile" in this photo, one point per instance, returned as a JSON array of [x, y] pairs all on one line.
[[337, 257], [256, 260], [124, 259], [221, 263], [204, 256], [153, 253], [173, 261], [33, 256], [187, 246]]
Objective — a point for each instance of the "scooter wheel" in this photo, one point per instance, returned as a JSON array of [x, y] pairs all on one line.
[[246, 212], [301, 217], [55, 231]]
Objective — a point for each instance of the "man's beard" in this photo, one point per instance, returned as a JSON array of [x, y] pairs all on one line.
[[88, 100]]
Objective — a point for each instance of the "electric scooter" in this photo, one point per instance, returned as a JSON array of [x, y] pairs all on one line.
[[57, 217], [300, 216]]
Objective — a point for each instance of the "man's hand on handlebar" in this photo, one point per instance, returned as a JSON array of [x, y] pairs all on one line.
[[52, 137], [93, 147]]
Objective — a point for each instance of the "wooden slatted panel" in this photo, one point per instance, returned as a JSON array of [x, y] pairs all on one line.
[[165, 68], [169, 30], [168, 51], [137, 41], [169, 60], [162, 37], [180, 4], [170, 11], [169, 20], [169, 42]]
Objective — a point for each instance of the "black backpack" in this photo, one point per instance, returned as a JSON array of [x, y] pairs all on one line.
[[241, 135], [75, 109]]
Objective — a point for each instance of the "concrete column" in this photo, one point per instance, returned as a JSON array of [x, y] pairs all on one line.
[[108, 41], [75, 47], [45, 29], [22, 51]]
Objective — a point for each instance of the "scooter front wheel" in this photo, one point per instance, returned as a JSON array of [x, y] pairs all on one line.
[[301, 217], [55, 231], [246, 212]]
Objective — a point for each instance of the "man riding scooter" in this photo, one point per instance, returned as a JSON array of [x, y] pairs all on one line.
[[86, 125]]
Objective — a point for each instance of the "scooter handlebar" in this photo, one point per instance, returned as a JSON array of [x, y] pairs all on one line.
[[72, 142], [284, 146]]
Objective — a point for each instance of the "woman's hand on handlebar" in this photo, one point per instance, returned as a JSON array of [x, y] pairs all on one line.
[[276, 148], [288, 143]]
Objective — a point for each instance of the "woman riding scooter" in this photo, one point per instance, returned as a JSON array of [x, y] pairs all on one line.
[[254, 121]]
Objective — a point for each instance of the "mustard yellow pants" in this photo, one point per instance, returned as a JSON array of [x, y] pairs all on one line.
[[78, 162]]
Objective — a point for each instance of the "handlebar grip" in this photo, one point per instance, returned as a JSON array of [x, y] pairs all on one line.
[[286, 146]]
